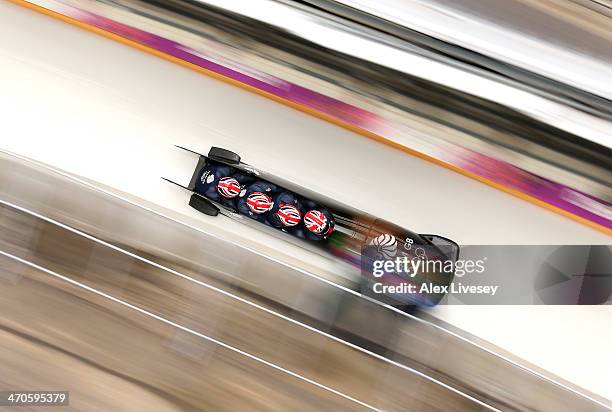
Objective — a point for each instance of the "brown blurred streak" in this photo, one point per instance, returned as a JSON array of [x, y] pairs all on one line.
[[191, 305], [58, 336], [575, 13]]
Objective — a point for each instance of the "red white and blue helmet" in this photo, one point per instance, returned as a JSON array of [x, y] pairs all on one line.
[[228, 187], [259, 202], [315, 221], [289, 215]]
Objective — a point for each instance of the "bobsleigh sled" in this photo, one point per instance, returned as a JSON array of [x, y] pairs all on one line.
[[222, 184]]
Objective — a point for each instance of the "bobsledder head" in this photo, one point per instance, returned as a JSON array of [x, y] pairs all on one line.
[[228, 187], [316, 222], [259, 202], [288, 215]]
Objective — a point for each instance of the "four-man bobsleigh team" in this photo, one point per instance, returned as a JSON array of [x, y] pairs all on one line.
[[264, 202]]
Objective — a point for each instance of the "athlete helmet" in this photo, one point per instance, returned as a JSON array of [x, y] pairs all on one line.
[[315, 221], [289, 215], [259, 202], [228, 187]]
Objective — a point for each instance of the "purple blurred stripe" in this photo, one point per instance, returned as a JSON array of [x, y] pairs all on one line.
[[560, 196]]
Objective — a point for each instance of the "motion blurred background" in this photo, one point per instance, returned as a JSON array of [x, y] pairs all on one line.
[[487, 122]]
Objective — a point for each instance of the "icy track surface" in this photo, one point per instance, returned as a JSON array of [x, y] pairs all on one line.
[[104, 111]]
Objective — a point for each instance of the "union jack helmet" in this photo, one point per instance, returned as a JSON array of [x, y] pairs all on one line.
[[228, 187], [259, 202], [315, 221], [289, 215]]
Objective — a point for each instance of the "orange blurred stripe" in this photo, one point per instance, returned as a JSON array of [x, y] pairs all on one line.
[[312, 112]]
